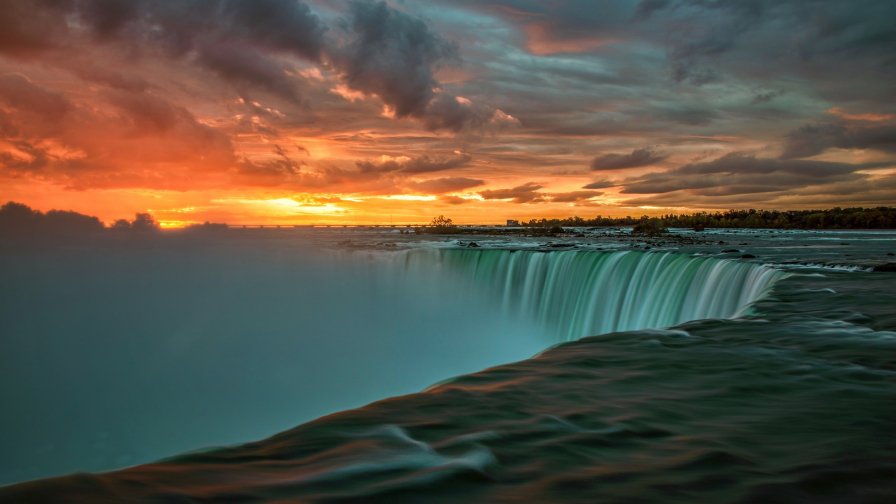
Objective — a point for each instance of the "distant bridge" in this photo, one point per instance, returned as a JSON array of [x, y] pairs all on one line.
[[302, 226], [379, 226]]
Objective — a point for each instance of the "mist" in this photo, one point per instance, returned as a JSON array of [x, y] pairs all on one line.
[[125, 348]]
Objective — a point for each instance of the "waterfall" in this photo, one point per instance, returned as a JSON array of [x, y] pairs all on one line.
[[580, 293]]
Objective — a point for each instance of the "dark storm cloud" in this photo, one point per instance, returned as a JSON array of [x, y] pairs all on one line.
[[813, 139], [704, 39], [382, 51], [636, 158], [243, 66], [694, 43], [422, 164], [666, 51], [739, 173], [526, 193], [279, 25], [232, 38], [446, 185], [108, 17], [393, 55], [286, 25], [447, 112]]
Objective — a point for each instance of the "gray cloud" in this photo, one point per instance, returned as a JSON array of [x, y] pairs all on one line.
[[381, 50], [446, 184], [859, 190], [279, 25], [422, 164], [813, 139], [637, 158], [233, 38], [600, 184], [526, 193], [690, 115], [739, 173], [447, 112], [765, 96], [530, 193], [711, 57], [574, 196], [21, 94], [453, 200], [393, 55], [242, 65]]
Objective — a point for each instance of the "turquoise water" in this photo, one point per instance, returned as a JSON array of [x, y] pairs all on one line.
[[578, 293], [788, 398]]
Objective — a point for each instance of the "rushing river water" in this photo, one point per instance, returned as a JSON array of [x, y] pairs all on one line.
[[704, 376]]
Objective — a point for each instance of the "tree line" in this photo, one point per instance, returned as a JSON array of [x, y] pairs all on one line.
[[17, 219], [834, 218]]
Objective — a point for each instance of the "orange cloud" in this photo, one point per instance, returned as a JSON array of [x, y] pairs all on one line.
[[871, 117]]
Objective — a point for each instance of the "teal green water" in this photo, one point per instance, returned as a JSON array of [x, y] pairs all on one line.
[[758, 384], [580, 293]]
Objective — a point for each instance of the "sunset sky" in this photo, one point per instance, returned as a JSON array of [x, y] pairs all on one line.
[[329, 111]]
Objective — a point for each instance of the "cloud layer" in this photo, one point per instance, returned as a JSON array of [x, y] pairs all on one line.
[[488, 109]]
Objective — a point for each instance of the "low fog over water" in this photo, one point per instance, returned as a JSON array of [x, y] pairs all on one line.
[[125, 350]]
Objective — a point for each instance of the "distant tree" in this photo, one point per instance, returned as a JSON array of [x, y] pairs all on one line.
[[121, 225], [649, 226], [17, 219], [439, 225], [67, 222], [144, 222], [441, 222], [835, 218]]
